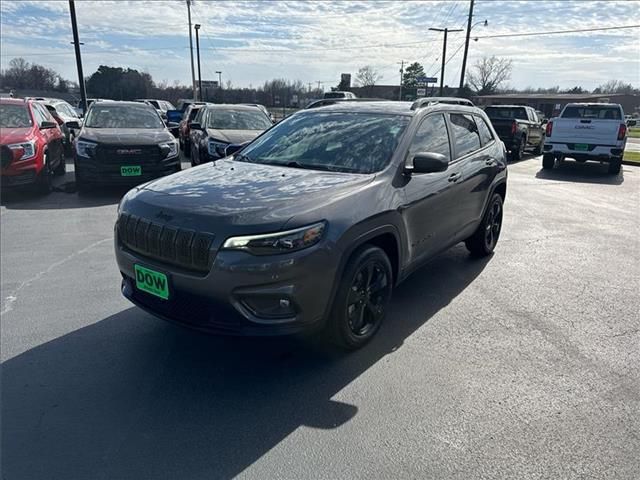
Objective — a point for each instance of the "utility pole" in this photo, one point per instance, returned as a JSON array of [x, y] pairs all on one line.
[[197, 27], [76, 43], [193, 71], [319, 82], [466, 48], [310, 87], [444, 53], [401, 79]]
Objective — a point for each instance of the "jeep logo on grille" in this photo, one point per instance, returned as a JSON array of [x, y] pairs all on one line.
[[128, 151]]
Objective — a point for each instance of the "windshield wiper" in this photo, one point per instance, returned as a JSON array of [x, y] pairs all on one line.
[[239, 157]]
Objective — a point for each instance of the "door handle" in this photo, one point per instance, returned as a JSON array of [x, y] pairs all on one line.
[[454, 177], [490, 162]]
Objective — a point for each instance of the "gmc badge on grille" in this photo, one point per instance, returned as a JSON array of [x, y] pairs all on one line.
[[128, 151]]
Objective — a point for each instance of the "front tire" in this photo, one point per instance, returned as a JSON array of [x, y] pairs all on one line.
[[361, 299], [186, 148], [484, 239], [61, 169], [548, 161], [195, 158], [517, 154], [44, 183], [539, 147]]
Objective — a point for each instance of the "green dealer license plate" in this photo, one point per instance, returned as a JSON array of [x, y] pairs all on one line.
[[581, 146], [131, 171], [152, 282]]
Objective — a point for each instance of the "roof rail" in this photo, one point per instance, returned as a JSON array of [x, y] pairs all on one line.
[[332, 101], [425, 102]]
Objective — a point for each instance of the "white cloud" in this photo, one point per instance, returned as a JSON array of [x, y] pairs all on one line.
[[255, 41]]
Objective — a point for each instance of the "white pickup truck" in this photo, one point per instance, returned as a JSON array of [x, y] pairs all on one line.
[[587, 131]]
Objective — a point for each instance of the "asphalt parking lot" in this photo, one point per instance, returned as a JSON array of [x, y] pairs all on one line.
[[521, 366]]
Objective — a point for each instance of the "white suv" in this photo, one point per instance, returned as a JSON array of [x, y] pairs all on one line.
[[587, 131]]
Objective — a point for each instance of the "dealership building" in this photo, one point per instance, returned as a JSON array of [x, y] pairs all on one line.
[[552, 103]]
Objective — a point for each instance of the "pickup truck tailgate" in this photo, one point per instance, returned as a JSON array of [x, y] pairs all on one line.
[[592, 131]]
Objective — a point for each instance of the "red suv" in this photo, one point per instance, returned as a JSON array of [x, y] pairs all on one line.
[[31, 144]]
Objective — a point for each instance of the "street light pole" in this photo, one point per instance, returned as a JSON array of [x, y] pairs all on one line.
[[197, 27], [193, 71], [76, 43], [444, 53], [401, 79]]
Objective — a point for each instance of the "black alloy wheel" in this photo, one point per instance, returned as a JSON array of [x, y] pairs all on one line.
[[484, 239], [361, 299], [493, 226], [365, 303]]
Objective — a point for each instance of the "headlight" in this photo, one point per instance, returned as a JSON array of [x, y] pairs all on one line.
[[216, 149], [170, 147], [29, 149], [85, 149], [281, 242]]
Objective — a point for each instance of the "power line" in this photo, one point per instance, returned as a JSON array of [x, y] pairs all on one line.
[[556, 32]]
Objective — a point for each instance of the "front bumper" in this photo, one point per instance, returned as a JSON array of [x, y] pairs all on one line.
[[22, 172], [223, 300]]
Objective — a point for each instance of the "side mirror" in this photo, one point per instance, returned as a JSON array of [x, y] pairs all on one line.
[[234, 148], [46, 125], [632, 123], [195, 126], [427, 162], [544, 121], [74, 124]]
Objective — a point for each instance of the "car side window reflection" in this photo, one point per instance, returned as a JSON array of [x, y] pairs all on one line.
[[485, 133], [432, 136], [465, 133]]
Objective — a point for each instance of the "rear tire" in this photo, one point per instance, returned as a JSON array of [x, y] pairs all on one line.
[[361, 299], [548, 161], [484, 239], [615, 165], [195, 158]]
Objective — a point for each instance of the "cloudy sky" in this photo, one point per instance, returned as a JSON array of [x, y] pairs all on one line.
[[312, 41]]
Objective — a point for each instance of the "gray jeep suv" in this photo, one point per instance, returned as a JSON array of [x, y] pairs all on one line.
[[310, 225]]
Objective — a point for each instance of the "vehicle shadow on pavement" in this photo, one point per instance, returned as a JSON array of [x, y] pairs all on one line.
[[570, 171], [131, 397]]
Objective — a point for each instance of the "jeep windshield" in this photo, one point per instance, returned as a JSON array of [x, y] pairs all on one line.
[[14, 116], [334, 141], [123, 116]]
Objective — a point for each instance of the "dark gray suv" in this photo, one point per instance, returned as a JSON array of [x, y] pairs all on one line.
[[311, 224]]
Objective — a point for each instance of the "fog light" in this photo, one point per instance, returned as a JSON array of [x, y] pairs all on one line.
[[264, 306]]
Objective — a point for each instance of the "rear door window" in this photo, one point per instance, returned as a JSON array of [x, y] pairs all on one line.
[[432, 137], [483, 129], [465, 134], [592, 111]]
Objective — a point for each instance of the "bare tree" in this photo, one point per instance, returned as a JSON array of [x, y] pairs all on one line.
[[488, 74], [616, 86], [367, 76]]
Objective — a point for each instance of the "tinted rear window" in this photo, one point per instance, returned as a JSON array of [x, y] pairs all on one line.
[[519, 113], [334, 95], [604, 113], [14, 116]]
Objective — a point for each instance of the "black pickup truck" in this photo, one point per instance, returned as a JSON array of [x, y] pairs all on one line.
[[519, 127]]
